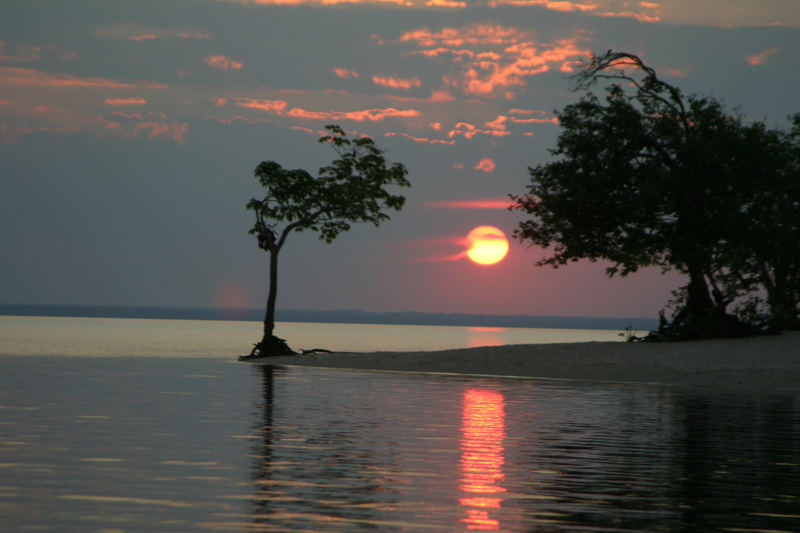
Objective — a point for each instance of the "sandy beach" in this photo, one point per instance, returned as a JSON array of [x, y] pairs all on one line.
[[768, 362]]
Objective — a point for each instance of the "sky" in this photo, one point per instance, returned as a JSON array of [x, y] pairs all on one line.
[[129, 132]]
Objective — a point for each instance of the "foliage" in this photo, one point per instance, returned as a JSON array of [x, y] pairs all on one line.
[[647, 176], [351, 189]]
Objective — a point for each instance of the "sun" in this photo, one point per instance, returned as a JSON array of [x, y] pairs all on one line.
[[487, 245]]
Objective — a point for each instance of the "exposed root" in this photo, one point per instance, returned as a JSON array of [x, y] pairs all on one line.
[[276, 347], [271, 347]]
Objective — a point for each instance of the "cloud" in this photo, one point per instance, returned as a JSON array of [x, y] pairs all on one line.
[[319, 2], [223, 63], [486, 165], [238, 118], [484, 203], [490, 59], [125, 101], [420, 139], [492, 128], [641, 17], [151, 125], [139, 33], [761, 57], [563, 5], [435, 97], [38, 78], [279, 107], [173, 130], [445, 3], [345, 73], [13, 52], [10, 136], [396, 83], [270, 106]]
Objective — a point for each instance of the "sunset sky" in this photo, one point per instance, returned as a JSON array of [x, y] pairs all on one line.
[[129, 132]]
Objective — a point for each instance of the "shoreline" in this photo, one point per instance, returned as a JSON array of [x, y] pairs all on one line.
[[765, 362]]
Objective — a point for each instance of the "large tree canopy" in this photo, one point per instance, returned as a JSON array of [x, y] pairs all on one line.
[[648, 176], [351, 189]]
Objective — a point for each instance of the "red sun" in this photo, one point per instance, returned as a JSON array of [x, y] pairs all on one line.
[[487, 245]]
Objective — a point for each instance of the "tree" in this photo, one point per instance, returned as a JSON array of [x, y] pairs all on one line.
[[766, 256], [351, 189], [647, 176]]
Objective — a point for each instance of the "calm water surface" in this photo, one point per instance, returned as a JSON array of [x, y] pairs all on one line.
[[192, 441], [113, 337], [95, 444]]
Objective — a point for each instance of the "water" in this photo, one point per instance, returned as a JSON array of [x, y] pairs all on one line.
[[113, 337], [207, 444]]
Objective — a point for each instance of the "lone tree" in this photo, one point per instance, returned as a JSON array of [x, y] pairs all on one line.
[[651, 177], [350, 189]]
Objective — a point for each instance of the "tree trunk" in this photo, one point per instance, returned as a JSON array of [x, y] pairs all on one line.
[[270, 344], [700, 317], [698, 298], [269, 315]]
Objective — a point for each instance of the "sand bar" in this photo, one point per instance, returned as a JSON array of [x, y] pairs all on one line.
[[768, 362]]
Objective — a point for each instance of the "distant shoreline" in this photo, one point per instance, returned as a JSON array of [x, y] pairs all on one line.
[[335, 317], [767, 363]]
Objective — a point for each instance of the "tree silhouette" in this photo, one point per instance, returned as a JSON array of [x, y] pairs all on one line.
[[351, 189], [649, 176]]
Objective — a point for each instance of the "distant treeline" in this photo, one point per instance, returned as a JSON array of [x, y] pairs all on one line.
[[340, 317]]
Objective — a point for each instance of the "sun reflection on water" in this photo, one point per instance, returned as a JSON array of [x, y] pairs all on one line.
[[482, 457]]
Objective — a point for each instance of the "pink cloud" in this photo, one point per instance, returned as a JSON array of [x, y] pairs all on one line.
[[151, 125], [139, 33], [408, 136], [270, 106], [125, 101], [641, 17], [488, 203], [9, 136], [435, 97], [235, 119], [492, 128], [445, 3], [345, 73], [223, 63], [32, 77], [396, 83], [297, 112], [534, 120], [678, 73], [486, 165], [140, 38], [374, 114], [278, 107], [436, 52], [174, 130], [123, 114], [321, 2], [492, 58], [761, 57], [564, 6], [19, 53], [436, 125]]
